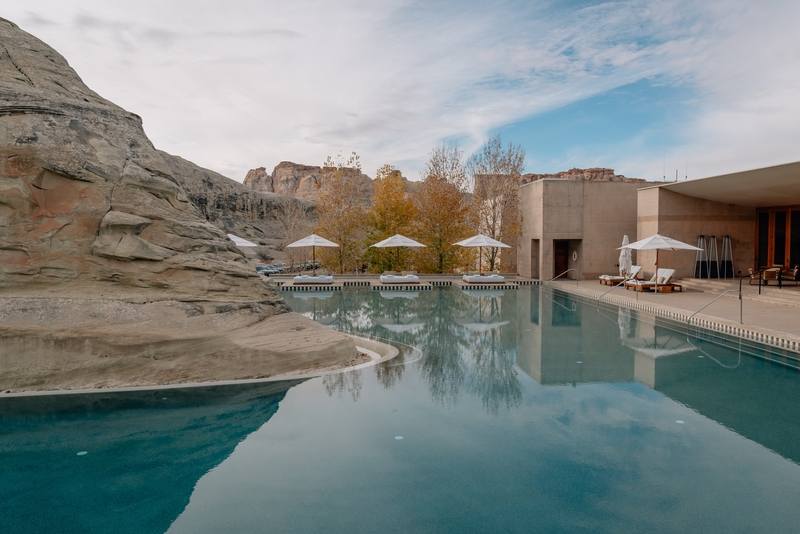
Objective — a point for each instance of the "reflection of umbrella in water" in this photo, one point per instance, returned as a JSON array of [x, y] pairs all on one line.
[[400, 324], [313, 241], [655, 349], [399, 294], [314, 296], [483, 327], [483, 292], [624, 322]]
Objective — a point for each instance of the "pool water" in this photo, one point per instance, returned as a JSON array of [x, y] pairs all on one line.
[[524, 410]]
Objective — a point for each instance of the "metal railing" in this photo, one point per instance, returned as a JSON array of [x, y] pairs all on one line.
[[741, 300], [562, 274]]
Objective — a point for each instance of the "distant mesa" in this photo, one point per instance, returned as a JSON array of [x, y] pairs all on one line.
[[304, 181], [595, 174]]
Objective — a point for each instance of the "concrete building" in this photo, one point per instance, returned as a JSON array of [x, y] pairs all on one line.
[[577, 225], [574, 224], [759, 209]]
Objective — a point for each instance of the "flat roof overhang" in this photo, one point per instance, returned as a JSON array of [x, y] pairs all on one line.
[[758, 188]]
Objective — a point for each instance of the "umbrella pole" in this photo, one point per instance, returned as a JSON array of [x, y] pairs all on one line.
[[314, 260], [480, 257], [656, 271]]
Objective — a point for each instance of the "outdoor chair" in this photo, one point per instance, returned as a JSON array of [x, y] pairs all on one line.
[[610, 279], [394, 278], [791, 276], [662, 278], [477, 278], [312, 280]]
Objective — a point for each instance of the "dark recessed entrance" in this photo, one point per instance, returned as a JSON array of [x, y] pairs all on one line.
[[560, 257]]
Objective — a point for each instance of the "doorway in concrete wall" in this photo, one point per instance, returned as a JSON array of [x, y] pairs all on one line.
[[560, 256], [534, 259]]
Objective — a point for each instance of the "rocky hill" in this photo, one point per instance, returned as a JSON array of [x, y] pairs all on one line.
[[303, 181], [99, 241], [232, 206], [595, 174]]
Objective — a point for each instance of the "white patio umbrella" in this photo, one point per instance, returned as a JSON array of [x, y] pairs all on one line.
[[397, 241], [240, 242], [313, 241], [625, 261], [481, 241], [659, 242]]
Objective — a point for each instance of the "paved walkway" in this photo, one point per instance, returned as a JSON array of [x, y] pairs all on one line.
[[781, 320]]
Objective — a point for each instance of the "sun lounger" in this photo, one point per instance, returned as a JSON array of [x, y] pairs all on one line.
[[305, 279], [610, 279], [408, 277], [662, 279], [483, 279]]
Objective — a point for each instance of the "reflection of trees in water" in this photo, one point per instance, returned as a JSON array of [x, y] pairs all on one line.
[[444, 367], [349, 381], [389, 373], [457, 359], [494, 376]]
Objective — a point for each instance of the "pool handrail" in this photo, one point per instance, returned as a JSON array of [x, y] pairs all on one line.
[[562, 274]]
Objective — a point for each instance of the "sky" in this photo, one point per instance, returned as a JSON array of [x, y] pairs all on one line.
[[647, 88]]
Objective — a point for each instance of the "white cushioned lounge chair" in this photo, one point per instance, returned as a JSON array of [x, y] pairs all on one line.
[[306, 279], [610, 279], [406, 277], [477, 278], [662, 278]]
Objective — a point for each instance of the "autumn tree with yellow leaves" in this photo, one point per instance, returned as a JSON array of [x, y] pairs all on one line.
[[392, 212], [443, 211], [340, 214]]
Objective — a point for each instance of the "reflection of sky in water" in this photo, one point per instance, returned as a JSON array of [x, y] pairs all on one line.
[[556, 415]]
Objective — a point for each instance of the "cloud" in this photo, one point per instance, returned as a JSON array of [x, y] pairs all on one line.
[[249, 84]]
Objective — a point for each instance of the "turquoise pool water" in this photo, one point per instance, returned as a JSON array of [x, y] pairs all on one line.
[[522, 411]]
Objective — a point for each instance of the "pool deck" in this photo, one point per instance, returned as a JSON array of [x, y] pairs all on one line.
[[772, 317]]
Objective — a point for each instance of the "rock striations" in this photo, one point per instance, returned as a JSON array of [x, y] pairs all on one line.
[[231, 206], [91, 214]]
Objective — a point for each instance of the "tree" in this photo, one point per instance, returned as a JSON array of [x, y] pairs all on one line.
[[495, 173], [391, 213], [340, 213], [295, 219], [443, 211]]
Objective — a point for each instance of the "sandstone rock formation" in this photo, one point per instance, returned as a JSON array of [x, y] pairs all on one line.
[[91, 212], [299, 181], [231, 206], [594, 174]]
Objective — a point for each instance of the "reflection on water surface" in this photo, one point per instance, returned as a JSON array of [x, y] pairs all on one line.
[[528, 410]]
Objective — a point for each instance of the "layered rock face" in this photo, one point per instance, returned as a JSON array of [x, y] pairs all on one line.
[[300, 181], [594, 174], [85, 196], [109, 274], [231, 206]]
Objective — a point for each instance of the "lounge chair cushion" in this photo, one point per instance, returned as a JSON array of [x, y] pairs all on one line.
[[306, 279], [397, 279], [484, 279]]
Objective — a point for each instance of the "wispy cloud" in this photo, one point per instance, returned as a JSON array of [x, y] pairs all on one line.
[[243, 84]]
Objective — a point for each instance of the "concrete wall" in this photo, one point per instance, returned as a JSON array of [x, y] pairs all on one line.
[[685, 218], [592, 216]]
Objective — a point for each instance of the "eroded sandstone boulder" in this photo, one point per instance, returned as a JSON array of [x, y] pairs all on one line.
[[103, 251]]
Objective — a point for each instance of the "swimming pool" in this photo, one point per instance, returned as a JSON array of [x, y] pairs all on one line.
[[519, 410]]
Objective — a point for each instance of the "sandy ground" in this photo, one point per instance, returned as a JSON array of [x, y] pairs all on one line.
[[84, 339]]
